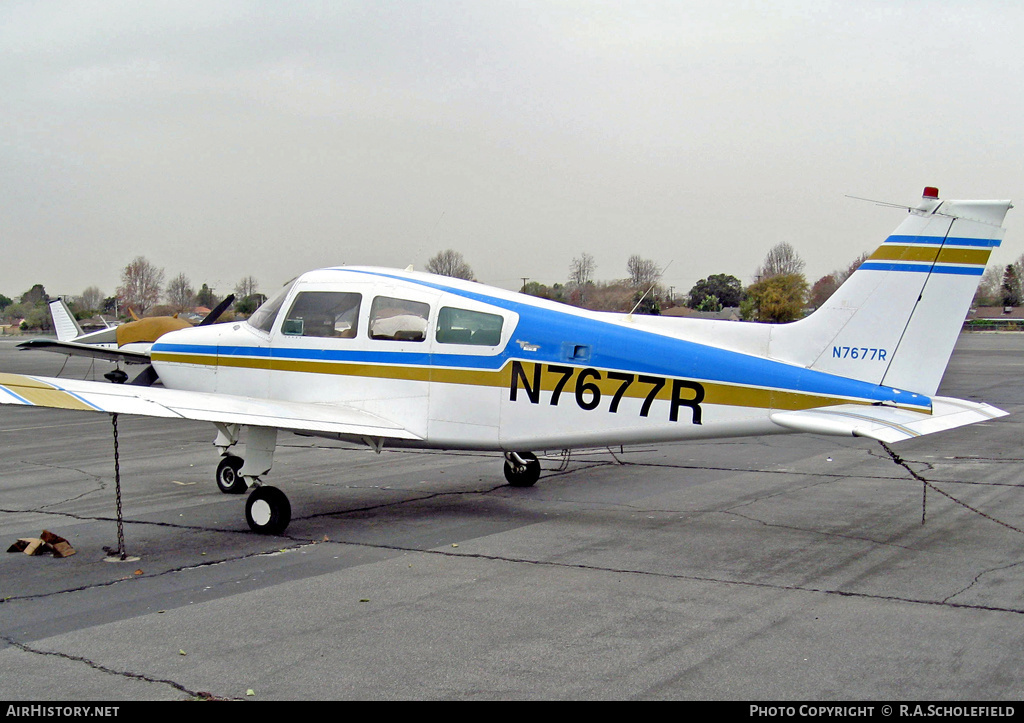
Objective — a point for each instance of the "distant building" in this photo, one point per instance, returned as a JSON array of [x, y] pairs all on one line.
[[995, 318]]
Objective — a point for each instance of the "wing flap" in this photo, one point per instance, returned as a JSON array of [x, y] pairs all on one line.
[[343, 419], [885, 423]]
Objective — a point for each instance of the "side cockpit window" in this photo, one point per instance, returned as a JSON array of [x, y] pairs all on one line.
[[461, 326], [394, 319], [263, 317], [323, 314]]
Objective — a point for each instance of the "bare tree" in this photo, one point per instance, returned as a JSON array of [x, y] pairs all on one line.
[[180, 293], [989, 288], [450, 263], [581, 272], [91, 299], [782, 260], [827, 285], [246, 287], [141, 283], [643, 273], [842, 275]]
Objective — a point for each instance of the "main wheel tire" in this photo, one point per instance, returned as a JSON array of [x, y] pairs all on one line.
[[228, 480], [526, 475], [268, 511]]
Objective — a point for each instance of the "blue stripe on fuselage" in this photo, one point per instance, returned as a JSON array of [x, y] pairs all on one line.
[[611, 346]]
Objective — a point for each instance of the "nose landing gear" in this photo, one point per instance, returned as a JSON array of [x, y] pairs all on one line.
[[522, 469]]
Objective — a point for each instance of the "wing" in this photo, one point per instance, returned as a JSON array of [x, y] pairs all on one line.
[[18, 389], [72, 348], [885, 423]]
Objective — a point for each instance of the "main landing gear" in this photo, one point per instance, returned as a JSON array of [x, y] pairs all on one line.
[[267, 510], [228, 480]]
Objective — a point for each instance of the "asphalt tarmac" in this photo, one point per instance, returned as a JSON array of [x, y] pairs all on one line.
[[789, 567]]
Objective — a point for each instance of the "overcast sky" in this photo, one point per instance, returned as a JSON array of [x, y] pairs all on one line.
[[226, 139]]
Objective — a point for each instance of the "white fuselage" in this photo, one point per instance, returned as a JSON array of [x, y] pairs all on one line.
[[551, 377]]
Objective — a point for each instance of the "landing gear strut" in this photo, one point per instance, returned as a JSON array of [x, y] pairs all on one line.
[[267, 510], [521, 468]]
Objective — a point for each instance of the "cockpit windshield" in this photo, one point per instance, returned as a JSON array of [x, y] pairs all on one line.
[[263, 317]]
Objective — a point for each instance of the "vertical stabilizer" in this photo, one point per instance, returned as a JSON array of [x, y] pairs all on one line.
[[64, 322], [896, 319]]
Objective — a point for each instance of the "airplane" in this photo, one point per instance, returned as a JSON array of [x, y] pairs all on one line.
[[390, 358], [127, 343]]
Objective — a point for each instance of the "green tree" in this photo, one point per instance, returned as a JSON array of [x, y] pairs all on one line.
[[206, 297], [36, 295], [646, 304], [777, 299], [710, 303], [1011, 286], [248, 304], [727, 289]]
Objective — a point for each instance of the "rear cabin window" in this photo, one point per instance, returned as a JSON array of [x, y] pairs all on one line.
[[398, 319], [323, 314], [461, 326]]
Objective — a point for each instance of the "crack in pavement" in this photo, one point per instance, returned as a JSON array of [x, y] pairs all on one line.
[[199, 695], [977, 578], [823, 533], [692, 578]]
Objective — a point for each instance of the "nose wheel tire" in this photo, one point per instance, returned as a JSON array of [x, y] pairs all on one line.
[[268, 511], [522, 475], [228, 480]]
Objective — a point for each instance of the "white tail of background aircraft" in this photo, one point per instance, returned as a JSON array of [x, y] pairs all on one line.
[[64, 322]]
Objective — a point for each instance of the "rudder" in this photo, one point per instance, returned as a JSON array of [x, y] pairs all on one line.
[[896, 319]]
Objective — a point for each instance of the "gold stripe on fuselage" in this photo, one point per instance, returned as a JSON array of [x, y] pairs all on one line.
[[718, 393]]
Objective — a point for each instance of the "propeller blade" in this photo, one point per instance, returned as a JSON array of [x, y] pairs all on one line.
[[215, 314]]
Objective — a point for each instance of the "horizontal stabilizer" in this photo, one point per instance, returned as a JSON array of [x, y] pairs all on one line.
[[88, 396], [885, 423], [92, 351]]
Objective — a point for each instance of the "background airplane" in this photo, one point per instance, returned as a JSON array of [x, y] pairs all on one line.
[[127, 343], [386, 357]]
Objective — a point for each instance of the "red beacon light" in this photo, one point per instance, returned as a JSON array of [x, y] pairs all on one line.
[[930, 192]]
